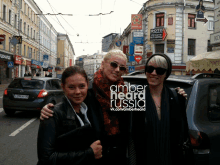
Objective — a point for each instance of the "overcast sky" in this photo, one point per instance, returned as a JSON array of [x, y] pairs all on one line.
[[91, 29]]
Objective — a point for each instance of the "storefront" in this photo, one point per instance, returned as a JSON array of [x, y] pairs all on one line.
[[17, 66], [35, 67], [23, 65], [28, 66], [5, 71]]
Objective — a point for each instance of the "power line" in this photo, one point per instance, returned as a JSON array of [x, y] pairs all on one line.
[[68, 23], [57, 18]]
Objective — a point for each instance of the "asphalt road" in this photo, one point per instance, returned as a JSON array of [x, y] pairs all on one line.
[[18, 137]]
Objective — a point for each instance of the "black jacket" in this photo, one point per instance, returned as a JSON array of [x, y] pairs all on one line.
[[177, 127], [75, 149]]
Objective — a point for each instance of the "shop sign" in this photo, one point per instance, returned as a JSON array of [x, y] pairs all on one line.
[[158, 34], [2, 37], [28, 63], [136, 21], [138, 49], [170, 21], [5, 57], [34, 62], [170, 46], [17, 60], [23, 61], [215, 38]]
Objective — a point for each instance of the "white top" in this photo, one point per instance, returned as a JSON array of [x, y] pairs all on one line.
[[83, 110]]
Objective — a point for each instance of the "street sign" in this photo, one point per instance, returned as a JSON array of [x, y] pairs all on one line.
[[2, 37], [45, 57], [138, 58], [131, 58], [14, 41], [19, 38], [118, 43], [10, 64], [131, 69]]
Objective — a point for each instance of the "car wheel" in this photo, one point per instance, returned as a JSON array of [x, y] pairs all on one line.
[[9, 112]]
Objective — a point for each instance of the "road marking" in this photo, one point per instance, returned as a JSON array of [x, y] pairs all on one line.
[[1, 109], [22, 127]]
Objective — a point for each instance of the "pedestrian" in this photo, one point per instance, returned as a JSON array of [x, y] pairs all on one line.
[[112, 127], [26, 74], [67, 138], [159, 131]]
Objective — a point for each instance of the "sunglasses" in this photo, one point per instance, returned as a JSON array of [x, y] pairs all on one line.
[[159, 71], [115, 65]]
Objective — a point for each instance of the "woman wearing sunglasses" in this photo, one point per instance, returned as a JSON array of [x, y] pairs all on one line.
[[159, 130]]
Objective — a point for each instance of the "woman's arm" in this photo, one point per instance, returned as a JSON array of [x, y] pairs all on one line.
[[47, 153]]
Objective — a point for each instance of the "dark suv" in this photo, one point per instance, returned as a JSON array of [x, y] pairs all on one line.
[[28, 94], [203, 112]]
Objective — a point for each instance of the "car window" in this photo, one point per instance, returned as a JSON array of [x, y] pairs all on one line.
[[49, 85], [27, 84], [214, 103], [55, 84]]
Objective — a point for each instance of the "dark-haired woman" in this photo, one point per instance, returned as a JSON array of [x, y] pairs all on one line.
[[68, 137], [159, 131]]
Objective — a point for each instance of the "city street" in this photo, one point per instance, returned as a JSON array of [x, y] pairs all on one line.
[[18, 137]]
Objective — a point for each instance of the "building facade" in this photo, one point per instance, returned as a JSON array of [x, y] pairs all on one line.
[[18, 18], [170, 27], [65, 53], [107, 40], [93, 62], [80, 61], [48, 46]]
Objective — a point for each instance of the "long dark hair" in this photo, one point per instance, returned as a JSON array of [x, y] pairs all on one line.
[[72, 70]]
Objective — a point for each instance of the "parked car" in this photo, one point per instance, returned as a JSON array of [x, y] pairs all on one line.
[[31, 94], [203, 112]]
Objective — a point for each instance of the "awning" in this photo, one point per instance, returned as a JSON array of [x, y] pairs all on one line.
[[204, 61]]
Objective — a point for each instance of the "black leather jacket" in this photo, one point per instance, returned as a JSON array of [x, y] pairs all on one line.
[[70, 150]]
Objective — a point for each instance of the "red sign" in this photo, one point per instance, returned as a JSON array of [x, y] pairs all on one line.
[[2, 37], [125, 49], [136, 21], [164, 34], [17, 60], [138, 58], [28, 63], [170, 21], [70, 62]]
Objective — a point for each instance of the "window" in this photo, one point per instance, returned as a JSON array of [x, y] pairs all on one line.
[[159, 19], [159, 48], [31, 32], [30, 52], [20, 25], [28, 12], [191, 46], [24, 50], [24, 27], [191, 20], [209, 47], [25, 8], [34, 34], [15, 23], [9, 45], [34, 55], [55, 84], [28, 31], [211, 23], [9, 17], [4, 12], [214, 103]]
